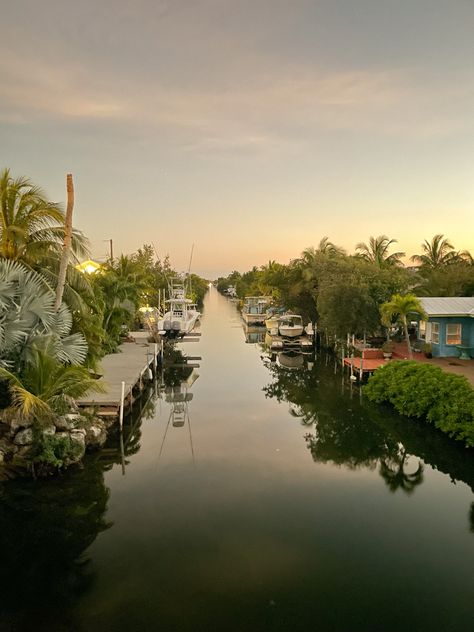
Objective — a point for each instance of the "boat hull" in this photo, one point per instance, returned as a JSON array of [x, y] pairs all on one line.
[[290, 332]]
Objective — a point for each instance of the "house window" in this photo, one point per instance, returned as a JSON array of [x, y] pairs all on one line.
[[422, 330], [435, 333], [453, 334]]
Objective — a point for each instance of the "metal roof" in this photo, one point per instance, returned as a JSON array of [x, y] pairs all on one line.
[[448, 305]]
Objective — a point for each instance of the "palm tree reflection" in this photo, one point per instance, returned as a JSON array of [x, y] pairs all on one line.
[[392, 470]]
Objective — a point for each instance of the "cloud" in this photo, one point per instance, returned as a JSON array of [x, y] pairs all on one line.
[[264, 110]]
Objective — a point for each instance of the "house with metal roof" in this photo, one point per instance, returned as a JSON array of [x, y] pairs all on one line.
[[450, 325]]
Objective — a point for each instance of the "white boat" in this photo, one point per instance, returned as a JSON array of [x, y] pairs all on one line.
[[254, 311], [181, 316], [290, 326], [271, 323]]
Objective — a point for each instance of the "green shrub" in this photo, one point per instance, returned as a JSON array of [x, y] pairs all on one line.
[[426, 391], [56, 451]]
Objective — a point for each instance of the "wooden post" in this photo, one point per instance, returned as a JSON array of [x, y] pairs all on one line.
[[155, 357], [352, 365], [122, 400], [361, 374], [66, 244], [342, 358]]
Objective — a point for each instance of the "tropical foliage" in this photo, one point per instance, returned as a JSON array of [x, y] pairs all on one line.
[[427, 392], [400, 308]]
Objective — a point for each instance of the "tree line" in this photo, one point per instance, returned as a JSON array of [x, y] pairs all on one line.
[[343, 292]]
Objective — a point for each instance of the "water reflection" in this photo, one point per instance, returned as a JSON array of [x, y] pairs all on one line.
[[254, 334], [45, 529], [349, 431], [176, 392]]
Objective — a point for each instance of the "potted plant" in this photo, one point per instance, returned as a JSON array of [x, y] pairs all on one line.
[[428, 350], [387, 349]]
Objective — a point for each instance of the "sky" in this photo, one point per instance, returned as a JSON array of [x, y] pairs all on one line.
[[249, 128]]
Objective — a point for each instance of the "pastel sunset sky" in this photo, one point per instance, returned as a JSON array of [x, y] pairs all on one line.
[[250, 128]]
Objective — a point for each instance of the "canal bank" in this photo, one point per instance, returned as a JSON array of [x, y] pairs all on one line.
[[296, 506]]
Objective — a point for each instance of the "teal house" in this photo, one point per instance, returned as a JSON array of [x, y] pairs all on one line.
[[450, 326]]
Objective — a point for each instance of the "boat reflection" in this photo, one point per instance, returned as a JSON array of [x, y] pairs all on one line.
[[178, 396], [254, 334]]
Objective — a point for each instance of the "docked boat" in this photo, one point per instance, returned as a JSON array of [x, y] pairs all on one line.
[[181, 316], [290, 326], [271, 322], [254, 311]]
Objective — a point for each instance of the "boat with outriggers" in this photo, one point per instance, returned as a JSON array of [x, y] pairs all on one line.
[[181, 315], [254, 310]]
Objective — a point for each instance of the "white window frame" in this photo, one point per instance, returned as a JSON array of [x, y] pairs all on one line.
[[435, 333], [458, 334], [422, 330]]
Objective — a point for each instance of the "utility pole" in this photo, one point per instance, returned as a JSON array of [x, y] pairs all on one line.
[[111, 242]]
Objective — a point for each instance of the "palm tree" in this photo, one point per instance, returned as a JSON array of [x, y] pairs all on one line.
[[400, 307], [325, 247], [376, 251], [437, 253], [28, 320], [46, 388], [32, 231]]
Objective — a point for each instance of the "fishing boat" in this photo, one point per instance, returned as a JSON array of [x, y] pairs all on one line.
[[290, 326], [254, 311], [181, 316]]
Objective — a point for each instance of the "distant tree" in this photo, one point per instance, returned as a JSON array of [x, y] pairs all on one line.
[[400, 307], [437, 253], [377, 251]]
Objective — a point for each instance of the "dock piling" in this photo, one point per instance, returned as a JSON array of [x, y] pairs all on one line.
[[122, 399]]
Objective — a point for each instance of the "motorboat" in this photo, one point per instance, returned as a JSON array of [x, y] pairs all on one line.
[[271, 323], [181, 316], [254, 310], [290, 326]]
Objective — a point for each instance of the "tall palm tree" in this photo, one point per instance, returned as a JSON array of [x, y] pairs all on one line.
[[437, 253], [376, 251], [400, 307], [32, 231]]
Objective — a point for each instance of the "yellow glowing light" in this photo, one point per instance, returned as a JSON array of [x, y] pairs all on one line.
[[88, 267]]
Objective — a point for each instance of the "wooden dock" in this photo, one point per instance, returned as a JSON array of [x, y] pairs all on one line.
[[363, 366], [131, 365]]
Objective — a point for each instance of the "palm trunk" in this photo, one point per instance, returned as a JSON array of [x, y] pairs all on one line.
[[407, 337], [67, 243]]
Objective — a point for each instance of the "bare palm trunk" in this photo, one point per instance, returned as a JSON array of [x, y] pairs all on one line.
[[407, 337], [66, 244]]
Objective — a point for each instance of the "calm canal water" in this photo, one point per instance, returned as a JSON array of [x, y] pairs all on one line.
[[291, 505]]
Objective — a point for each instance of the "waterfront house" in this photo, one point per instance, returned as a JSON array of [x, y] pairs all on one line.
[[450, 326]]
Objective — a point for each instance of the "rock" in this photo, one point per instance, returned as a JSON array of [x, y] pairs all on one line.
[[16, 424], [24, 437], [48, 430], [78, 434], [78, 437], [63, 423], [96, 434]]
